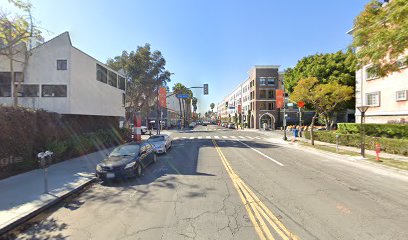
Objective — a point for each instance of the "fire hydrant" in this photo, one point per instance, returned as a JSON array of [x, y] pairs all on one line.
[[377, 151]]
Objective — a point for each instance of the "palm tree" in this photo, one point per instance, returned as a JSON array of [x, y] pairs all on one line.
[[212, 106], [194, 101]]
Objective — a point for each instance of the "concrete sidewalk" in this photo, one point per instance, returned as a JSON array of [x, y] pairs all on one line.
[[278, 135], [22, 196]]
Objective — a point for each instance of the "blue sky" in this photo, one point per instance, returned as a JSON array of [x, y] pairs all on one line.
[[204, 41]]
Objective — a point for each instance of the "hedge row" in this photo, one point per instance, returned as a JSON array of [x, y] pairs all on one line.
[[375, 130], [389, 145], [25, 132]]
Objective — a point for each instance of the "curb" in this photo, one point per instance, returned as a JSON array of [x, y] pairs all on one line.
[[37, 211]]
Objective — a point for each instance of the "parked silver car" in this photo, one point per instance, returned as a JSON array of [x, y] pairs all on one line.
[[161, 142]]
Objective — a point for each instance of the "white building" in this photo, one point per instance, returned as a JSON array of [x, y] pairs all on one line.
[[61, 78]]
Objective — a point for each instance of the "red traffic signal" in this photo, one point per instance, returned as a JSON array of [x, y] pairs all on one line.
[[301, 104]]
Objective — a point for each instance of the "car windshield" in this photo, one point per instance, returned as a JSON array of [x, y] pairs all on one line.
[[125, 150], [156, 139]]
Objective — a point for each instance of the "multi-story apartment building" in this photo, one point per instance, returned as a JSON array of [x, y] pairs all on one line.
[[387, 97], [61, 78], [253, 101]]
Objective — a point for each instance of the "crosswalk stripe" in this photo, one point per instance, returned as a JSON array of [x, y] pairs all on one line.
[[184, 137], [208, 137], [216, 137], [249, 137], [233, 137], [224, 137], [241, 137], [175, 138], [258, 137], [199, 137], [192, 137]]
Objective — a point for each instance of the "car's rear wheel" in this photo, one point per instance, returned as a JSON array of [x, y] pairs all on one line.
[[139, 170]]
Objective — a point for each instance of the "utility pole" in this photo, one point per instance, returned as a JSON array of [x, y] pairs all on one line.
[[284, 112]]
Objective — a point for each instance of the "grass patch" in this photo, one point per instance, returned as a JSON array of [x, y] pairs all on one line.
[[384, 161]]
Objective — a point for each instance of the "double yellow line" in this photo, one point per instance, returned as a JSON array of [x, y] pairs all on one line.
[[257, 211]]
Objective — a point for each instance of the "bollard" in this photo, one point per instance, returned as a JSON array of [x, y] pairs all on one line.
[[377, 152]]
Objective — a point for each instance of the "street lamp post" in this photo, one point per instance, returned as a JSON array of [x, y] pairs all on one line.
[[363, 109], [284, 112]]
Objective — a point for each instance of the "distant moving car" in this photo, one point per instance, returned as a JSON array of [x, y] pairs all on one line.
[[204, 124], [231, 126], [161, 142], [127, 160], [144, 129], [192, 125]]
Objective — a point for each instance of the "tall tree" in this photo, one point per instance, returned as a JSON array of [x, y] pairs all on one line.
[[145, 72], [179, 88], [324, 99], [212, 106], [194, 102], [337, 67], [16, 34], [381, 35]]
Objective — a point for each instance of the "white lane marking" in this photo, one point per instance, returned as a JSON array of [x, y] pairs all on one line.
[[208, 137], [233, 137], [216, 137], [258, 137], [241, 137], [273, 160], [249, 137], [199, 137], [184, 137], [192, 137], [175, 138], [224, 137]]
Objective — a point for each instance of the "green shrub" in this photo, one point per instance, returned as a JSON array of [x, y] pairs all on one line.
[[375, 130], [389, 145]]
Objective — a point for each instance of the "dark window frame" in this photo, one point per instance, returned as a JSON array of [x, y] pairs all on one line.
[[62, 64], [5, 84], [64, 87], [20, 93], [101, 73], [121, 83], [111, 79]]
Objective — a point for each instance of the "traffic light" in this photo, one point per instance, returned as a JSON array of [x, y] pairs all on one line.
[[205, 89], [226, 104]]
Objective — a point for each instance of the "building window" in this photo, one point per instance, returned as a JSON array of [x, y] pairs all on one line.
[[62, 64], [18, 77], [270, 106], [32, 90], [101, 74], [54, 91], [270, 94], [262, 81], [112, 79], [402, 63], [371, 73], [123, 99], [122, 83], [373, 99], [401, 95], [271, 81], [5, 84], [262, 94]]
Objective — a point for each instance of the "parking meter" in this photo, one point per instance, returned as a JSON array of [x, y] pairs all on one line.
[[44, 160]]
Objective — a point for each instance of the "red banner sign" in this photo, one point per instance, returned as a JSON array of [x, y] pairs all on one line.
[[239, 108], [301, 104], [162, 97], [280, 98]]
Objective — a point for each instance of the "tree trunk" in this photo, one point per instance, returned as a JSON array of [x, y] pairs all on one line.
[[311, 129], [15, 95]]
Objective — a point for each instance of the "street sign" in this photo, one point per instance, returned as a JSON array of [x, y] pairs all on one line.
[[301, 104], [182, 95]]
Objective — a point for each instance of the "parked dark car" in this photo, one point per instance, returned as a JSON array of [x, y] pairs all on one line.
[[127, 160]]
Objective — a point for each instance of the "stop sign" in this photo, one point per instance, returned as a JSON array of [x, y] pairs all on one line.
[[301, 104]]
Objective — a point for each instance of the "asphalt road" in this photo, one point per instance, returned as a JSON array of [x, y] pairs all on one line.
[[223, 184]]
